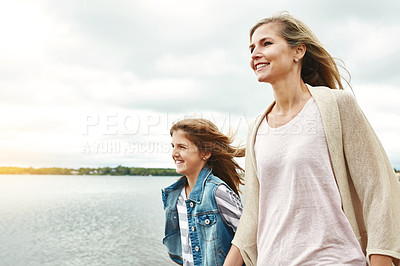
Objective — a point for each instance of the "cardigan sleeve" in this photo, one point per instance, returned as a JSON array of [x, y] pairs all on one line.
[[373, 178], [246, 235]]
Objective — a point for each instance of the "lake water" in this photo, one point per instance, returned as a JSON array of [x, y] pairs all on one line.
[[82, 220]]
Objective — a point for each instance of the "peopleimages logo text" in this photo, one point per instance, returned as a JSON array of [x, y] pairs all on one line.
[[146, 124], [114, 124], [126, 147]]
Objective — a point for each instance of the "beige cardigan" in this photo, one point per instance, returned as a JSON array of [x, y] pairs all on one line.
[[369, 189]]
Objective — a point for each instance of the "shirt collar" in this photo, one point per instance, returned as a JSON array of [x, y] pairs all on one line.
[[197, 192]]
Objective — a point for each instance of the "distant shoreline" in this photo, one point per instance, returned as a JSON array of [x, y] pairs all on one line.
[[116, 171]]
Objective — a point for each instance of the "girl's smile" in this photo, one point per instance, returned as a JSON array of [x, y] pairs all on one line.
[[187, 157]]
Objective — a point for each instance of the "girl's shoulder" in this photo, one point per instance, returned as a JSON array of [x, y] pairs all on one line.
[[214, 180], [177, 185], [220, 186]]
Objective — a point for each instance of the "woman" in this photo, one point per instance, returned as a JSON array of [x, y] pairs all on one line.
[[320, 189], [202, 209]]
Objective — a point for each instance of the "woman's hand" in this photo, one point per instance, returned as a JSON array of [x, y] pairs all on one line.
[[234, 258], [378, 260]]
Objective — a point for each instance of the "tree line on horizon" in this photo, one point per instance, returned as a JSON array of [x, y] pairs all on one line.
[[119, 170]]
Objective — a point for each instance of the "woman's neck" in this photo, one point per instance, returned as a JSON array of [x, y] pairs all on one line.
[[289, 96]]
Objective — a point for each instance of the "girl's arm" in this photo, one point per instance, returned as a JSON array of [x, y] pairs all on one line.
[[234, 258], [229, 205], [231, 208]]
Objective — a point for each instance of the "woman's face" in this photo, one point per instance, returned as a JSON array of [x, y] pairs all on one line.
[[187, 157], [272, 59]]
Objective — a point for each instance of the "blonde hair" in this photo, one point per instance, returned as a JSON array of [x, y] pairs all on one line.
[[318, 66], [206, 136]]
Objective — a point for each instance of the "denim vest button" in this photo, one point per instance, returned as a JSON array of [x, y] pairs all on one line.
[[208, 242]]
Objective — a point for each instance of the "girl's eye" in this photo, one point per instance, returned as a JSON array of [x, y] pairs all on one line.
[[267, 43]]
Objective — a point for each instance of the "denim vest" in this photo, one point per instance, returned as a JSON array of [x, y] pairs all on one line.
[[209, 233]]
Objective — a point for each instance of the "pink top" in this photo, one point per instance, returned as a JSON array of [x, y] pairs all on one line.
[[301, 221]]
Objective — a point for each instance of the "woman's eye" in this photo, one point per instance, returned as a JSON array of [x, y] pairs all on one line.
[[267, 43]]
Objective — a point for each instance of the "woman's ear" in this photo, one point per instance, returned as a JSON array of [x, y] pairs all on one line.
[[300, 51]]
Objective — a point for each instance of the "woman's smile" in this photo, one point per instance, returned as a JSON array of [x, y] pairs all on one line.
[[271, 56]]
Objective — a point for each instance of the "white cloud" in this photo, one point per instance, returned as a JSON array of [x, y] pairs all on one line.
[[64, 61], [211, 63], [180, 20], [380, 104], [369, 41], [368, 48]]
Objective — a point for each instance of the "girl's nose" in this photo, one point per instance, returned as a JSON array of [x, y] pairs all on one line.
[[174, 151]]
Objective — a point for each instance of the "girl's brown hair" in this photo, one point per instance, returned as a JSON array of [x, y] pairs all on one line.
[[318, 66], [206, 136]]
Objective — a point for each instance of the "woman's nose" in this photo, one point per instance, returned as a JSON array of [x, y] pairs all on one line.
[[255, 54]]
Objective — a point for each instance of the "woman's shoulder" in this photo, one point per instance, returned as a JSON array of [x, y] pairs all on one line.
[[341, 96], [345, 99]]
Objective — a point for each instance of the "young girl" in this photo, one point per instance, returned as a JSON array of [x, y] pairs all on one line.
[[202, 209], [320, 189]]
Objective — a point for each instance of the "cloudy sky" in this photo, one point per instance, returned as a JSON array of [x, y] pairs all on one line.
[[99, 83]]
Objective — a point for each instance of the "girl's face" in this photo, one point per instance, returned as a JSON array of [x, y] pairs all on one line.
[[188, 159], [272, 59]]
